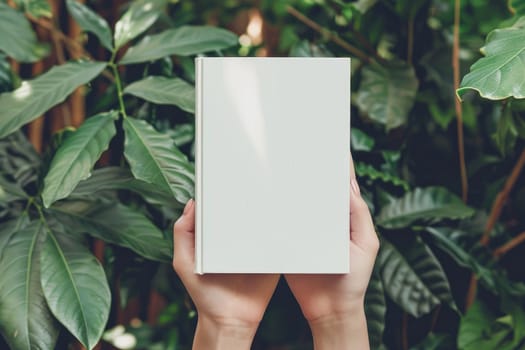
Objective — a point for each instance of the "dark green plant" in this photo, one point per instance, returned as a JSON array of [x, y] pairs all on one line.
[[49, 277]]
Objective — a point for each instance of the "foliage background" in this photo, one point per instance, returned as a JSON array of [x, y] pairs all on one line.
[[440, 225]]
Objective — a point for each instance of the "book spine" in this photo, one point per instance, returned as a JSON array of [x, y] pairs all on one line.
[[198, 165]]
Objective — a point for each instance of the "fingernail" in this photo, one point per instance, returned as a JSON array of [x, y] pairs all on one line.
[[188, 206], [355, 187]]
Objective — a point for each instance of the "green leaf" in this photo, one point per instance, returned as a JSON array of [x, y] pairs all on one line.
[[476, 322], [121, 225], [9, 229], [25, 320], [75, 158], [6, 76], [75, 287], [444, 238], [183, 41], [137, 19], [499, 74], [430, 203], [10, 191], [516, 7], [18, 39], [412, 277], [305, 48], [435, 342], [153, 158], [368, 171], [506, 134], [387, 94], [375, 309], [90, 21], [162, 90], [116, 178], [361, 141], [36, 96], [182, 134], [36, 8], [19, 162]]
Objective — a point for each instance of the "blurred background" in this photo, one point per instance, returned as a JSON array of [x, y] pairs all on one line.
[[443, 177]]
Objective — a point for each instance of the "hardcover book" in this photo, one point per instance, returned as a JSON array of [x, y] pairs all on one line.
[[272, 162]]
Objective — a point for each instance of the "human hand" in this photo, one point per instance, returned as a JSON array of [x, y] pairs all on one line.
[[229, 306], [334, 304]]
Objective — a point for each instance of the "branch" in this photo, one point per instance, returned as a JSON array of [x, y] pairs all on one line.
[[459, 110], [328, 34], [502, 197], [504, 249], [72, 46], [495, 213]]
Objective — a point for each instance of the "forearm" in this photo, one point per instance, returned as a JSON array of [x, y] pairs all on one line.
[[211, 336], [341, 332]]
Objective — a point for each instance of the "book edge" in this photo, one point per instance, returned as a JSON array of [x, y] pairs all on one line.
[[198, 166]]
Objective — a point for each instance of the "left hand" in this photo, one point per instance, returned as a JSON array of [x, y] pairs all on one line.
[[227, 304]]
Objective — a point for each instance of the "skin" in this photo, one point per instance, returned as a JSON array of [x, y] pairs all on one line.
[[230, 307]]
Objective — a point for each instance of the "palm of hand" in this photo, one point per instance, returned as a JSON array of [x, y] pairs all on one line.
[[325, 295], [229, 298]]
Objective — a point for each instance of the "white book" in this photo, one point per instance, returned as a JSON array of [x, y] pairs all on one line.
[[272, 165]]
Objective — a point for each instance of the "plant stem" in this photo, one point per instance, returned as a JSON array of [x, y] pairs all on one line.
[[459, 110], [328, 34], [410, 40], [505, 248], [404, 331], [495, 213], [118, 84], [501, 198]]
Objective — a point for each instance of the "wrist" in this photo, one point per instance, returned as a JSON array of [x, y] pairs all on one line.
[[346, 330], [221, 334]]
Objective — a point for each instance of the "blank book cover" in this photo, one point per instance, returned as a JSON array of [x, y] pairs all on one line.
[[272, 165]]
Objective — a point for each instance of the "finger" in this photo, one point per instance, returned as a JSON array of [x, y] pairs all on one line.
[[362, 231], [184, 239], [352, 168]]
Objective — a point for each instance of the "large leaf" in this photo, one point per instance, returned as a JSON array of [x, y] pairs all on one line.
[[305, 48], [116, 178], [430, 203], [154, 158], [500, 73], [162, 90], [77, 155], [10, 191], [9, 229], [6, 76], [375, 309], [138, 18], [368, 170], [445, 238], [474, 325], [413, 277], [361, 141], [19, 161], [121, 225], [387, 94], [435, 342], [36, 96], [25, 320], [183, 41], [75, 287], [36, 8], [18, 39], [89, 21]]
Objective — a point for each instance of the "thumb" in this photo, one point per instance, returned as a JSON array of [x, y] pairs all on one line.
[[362, 231], [184, 239]]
